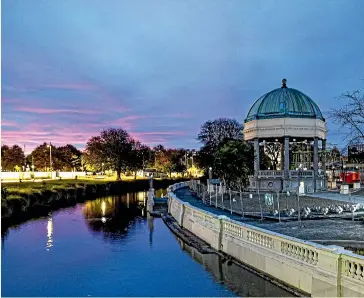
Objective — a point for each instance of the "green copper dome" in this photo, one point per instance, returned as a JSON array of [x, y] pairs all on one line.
[[284, 102]]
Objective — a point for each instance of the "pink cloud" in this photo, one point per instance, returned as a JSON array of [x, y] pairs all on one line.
[[172, 133], [8, 123], [54, 111], [65, 86], [69, 86]]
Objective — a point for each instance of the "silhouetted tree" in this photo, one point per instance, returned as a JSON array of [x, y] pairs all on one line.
[[234, 162], [113, 148], [12, 157], [351, 116], [212, 133], [69, 157], [41, 157]]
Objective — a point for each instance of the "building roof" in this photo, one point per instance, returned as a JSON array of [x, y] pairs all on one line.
[[284, 102]]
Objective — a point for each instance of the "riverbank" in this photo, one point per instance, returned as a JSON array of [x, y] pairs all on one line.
[[321, 271], [25, 200], [204, 248]]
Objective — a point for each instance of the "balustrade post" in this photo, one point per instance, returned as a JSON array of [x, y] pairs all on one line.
[[241, 202], [222, 201], [221, 219], [279, 210], [231, 206]]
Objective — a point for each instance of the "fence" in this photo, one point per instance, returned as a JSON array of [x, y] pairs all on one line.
[[274, 204]]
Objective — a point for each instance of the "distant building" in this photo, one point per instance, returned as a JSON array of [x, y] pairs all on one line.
[[356, 153]]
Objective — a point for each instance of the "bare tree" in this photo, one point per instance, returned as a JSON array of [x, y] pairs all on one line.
[[351, 115], [273, 151]]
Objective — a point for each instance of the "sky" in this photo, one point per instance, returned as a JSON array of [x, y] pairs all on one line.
[[160, 69]]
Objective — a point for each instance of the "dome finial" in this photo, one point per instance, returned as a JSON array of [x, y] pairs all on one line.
[[284, 83]]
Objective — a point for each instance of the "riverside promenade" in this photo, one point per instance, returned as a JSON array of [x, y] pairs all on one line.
[[320, 230], [313, 269]]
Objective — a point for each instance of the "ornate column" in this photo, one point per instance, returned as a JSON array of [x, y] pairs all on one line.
[[256, 157], [286, 155], [324, 156], [315, 161], [282, 156]]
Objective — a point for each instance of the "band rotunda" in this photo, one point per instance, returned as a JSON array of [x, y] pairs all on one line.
[[294, 123]]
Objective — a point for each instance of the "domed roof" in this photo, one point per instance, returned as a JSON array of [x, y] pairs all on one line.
[[284, 102]]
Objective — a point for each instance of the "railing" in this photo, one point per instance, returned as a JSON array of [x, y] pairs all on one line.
[[304, 174], [269, 173], [353, 267], [344, 269], [299, 252]]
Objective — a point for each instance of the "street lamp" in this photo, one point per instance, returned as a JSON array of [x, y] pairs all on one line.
[[298, 194], [50, 156], [210, 178]]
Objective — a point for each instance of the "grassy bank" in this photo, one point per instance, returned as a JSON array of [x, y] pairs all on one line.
[[23, 200]]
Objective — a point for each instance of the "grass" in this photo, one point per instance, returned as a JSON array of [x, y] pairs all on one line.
[[17, 190]]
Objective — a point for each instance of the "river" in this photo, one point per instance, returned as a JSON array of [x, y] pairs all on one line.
[[112, 247]]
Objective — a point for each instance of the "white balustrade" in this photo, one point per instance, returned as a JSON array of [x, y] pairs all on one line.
[[300, 257]]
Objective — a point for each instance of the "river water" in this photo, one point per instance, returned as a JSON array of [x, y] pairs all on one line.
[[111, 247]]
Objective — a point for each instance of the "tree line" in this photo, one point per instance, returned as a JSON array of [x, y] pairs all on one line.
[[223, 150], [114, 149]]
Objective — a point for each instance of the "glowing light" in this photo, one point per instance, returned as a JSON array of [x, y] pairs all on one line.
[[49, 233], [103, 208], [103, 219]]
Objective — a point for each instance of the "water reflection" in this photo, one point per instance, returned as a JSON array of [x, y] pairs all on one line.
[[150, 227], [239, 280], [49, 232], [113, 215]]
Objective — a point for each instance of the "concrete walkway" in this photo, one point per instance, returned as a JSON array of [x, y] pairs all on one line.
[[323, 229], [338, 197], [185, 195]]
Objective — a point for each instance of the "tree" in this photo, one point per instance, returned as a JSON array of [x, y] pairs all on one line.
[[163, 163], [41, 157], [12, 157], [351, 116], [234, 162], [69, 157], [178, 161], [273, 151], [265, 161], [212, 133], [113, 148]]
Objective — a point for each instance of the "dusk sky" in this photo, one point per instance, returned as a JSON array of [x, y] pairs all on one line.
[[160, 69]]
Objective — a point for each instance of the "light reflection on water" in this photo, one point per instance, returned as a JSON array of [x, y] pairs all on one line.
[[49, 232], [109, 247]]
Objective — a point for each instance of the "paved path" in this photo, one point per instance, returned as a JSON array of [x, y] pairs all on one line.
[[338, 197], [323, 229]]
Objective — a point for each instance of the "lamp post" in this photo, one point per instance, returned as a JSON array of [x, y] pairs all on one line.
[[210, 177], [102, 168], [50, 156], [298, 194]]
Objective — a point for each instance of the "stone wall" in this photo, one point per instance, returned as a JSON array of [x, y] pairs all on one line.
[[321, 271], [39, 175]]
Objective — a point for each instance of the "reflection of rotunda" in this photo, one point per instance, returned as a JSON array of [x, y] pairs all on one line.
[[293, 123]]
